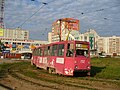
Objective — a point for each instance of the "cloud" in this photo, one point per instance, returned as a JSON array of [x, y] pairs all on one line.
[[17, 11]]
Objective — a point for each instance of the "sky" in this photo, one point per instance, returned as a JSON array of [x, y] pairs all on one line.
[[37, 17]]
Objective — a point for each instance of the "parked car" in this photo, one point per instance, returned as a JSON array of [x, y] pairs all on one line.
[[102, 56]]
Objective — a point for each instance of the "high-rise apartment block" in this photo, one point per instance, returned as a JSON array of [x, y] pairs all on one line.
[[109, 45], [65, 29], [16, 34]]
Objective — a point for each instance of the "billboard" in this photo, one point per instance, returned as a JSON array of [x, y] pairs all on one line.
[[1, 32], [65, 23], [71, 23]]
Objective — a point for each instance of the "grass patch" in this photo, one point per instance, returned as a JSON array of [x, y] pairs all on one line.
[[3, 70], [6, 68], [106, 68], [103, 68]]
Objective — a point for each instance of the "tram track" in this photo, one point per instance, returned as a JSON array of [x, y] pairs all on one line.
[[54, 84], [12, 71], [50, 84], [32, 82], [43, 79]]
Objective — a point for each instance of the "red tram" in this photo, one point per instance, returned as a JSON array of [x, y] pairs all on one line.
[[65, 57]]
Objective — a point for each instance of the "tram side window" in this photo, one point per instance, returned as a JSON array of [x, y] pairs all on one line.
[[34, 52], [45, 51], [54, 50], [39, 52], [61, 50], [70, 50], [48, 51]]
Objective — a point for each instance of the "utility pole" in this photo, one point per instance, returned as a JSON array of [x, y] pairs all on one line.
[[68, 27], [60, 31], [2, 2]]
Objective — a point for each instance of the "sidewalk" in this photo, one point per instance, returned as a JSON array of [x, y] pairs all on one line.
[[3, 88]]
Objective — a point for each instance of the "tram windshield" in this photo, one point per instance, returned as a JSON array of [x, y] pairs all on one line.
[[82, 50]]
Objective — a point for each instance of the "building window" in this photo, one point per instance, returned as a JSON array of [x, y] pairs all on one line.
[[25, 33], [85, 38]]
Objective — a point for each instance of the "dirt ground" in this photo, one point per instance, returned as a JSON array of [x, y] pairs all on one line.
[[16, 84], [34, 84]]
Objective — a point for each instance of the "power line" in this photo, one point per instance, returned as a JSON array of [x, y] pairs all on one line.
[[44, 3], [107, 8], [32, 15], [105, 18], [99, 10], [102, 9]]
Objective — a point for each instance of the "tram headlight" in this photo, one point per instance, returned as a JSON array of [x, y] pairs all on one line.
[[76, 67], [75, 62], [88, 67]]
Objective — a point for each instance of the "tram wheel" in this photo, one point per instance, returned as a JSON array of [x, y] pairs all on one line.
[[51, 70]]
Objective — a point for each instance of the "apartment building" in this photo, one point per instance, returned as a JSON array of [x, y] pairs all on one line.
[[103, 45], [50, 37], [109, 45], [66, 28], [16, 34]]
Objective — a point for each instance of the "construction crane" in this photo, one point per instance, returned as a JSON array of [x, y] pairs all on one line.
[[2, 2]]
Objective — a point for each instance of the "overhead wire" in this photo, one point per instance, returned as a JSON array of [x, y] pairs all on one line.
[[44, 3], [31, 16], [102, 9], [105, 18]]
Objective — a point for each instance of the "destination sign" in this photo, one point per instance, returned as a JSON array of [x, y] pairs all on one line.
[[82, 46]]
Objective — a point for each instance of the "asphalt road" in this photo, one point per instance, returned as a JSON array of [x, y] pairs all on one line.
[[11, 60], [5, 61]]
